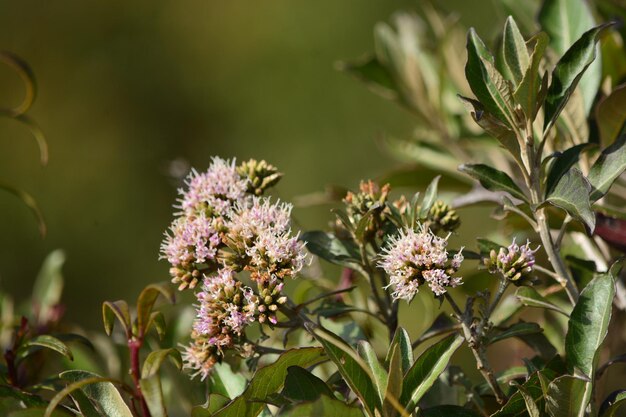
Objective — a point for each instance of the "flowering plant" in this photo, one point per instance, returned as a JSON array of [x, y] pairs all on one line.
[[263, 332]]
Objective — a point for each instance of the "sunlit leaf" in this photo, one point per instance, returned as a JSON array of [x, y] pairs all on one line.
[[269, 380], [153, 394], [352, 368], [426, 369], [486, 82], [379, 373], [429, 197], [48, 342], [527, 91], [98, 389], [225, 382], [609, 165], [515, 53], [588, 324], [562, 163], [568, 72], [566, 397], [565, 21], [155, 359], [571, 194]]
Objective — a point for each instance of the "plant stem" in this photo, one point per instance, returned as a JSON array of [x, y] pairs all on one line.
[[543, 228], [555, 259], [134, 345], [466, 320]]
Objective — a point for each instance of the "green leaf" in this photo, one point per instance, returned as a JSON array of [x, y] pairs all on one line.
[[571, 194], [225, 382], [46, 341], [426, 369], [153, 394], [402, 342], [589, 323], [527, 91], [48, 286], [531, 298], [562, 163], [486, 82], [514, 50], [301, 385], [352, 368], [213, 404], [324, 406], [155, 359], [587, 328], [493, 179], [99, 390], [566, 21], [516, 330], [531, 405], [395, 367], [370, 71], [379, 373], [612, 403], [609, 165], [146, 300], [269, 380], [116, 309], [611, 115], [327, 246], [85, 406], [566, 396], [568, 72], [429, 197], [449, 411]]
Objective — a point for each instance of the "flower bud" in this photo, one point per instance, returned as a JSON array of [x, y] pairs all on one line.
[[260, 175], [442, 217], [515, 263]]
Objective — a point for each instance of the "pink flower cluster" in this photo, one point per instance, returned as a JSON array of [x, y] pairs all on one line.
[[414, 258], [221, 229]]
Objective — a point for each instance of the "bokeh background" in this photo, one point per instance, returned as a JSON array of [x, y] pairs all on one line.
[[133, 93]]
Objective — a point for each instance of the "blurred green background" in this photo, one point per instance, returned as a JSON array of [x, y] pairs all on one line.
[[131, 92]]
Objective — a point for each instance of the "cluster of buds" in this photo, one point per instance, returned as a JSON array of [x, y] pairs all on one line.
[[370, 196], [417, 257], [260, 175], [269, 300], [515, 263], [442, 217], [224, 227]]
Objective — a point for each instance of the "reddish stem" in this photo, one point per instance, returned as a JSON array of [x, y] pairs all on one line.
[[134, 345]]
